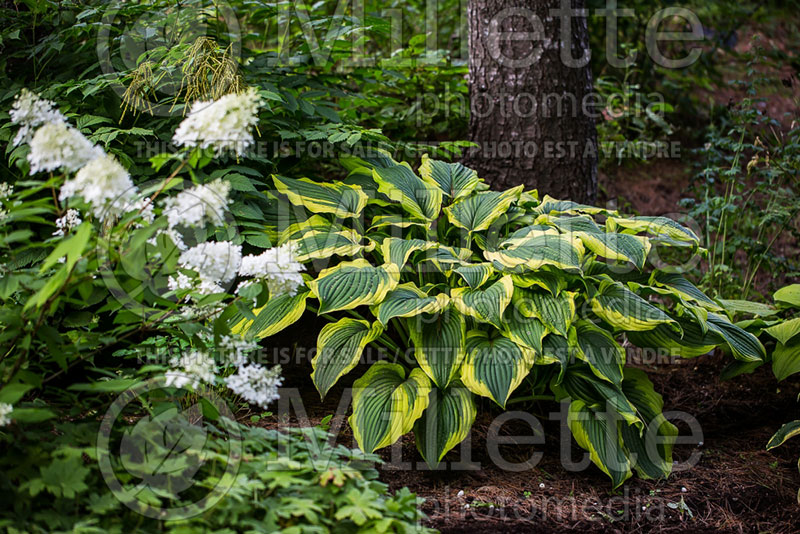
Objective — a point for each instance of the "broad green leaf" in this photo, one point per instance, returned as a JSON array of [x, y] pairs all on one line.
[[418, 198], [785, 432], [339, 348], [397, 251], [611, 245], [601, 351], [750, 308], [407, 300], [445, 423], [486, 305], [278, 313], [788, 296], [597, 433], [495, 367], [454, 179], [353, 283], [71, 247], [552, 282], [386, 404], [624, 309], [561, 251], [399, 221], [557, 349], [786, 360], [439, 344], [557, 313], [477, 212], [12, 393], [744, 345], [785, 330], [337, 198], [656, 226], [651, 449], [445, 258], [314, 223], [475, 274], [579, 383]]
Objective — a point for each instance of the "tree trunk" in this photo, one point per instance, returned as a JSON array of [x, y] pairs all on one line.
[[531, 100]]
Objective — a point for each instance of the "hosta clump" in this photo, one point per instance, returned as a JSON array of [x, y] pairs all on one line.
[[481, 289]]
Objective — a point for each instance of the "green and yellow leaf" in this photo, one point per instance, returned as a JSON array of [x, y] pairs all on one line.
[[445, 423], [339, 348], [353, 283], [454, 179], [494, 368], [439, 344], [340, 199], [486, 305]]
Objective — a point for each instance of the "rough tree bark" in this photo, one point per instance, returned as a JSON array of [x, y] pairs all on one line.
[[531, 105]]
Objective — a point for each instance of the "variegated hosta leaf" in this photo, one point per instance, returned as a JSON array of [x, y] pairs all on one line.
[[522, 330], [656, 226], [579, 383], [689, 342], [386, 404], [475, 274], [526, 233], [601, 351], [377, 157], [650, 449], [486, 305], [315, 223], [557, 313], [494, 367], [597, 433], [454, 179], [316, 244], [551, 206], [445, 423], [445, 258], [417, 197], [744, 345], [439, 344], [622, 308], [785, 432], [278, 313], [561, 251], [397, 251], [611, 245], [477, 212], [556, 349], [339, 347], [552, 282], [353, 283], [398, 221], [684, 289], [407, 300], [337, 198]]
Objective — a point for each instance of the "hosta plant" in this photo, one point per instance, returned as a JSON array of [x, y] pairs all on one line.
[[470, 291]]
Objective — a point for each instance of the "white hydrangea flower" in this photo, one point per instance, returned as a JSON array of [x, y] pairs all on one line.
[[57, 145], [234, 348], [5, 411], [224, 124], [6, 190], [70, 220], [215, 263], [30, 112], [198, 205], [191, 370], [105, 184], [278, 266], [256, 384]]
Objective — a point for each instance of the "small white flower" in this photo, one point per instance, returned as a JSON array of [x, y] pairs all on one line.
[[278, 267], [541, 485], [684, 490], [57, 145], [6, 190], [198, 205], [224, 124], [214, 262], [190, 370], [70, 220], [106, 185], [235, 348], [460, 493], [3, 214], [5, 411], [256, 384], [30, 112]]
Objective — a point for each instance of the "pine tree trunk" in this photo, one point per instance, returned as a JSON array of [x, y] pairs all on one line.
[[516, 88]]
